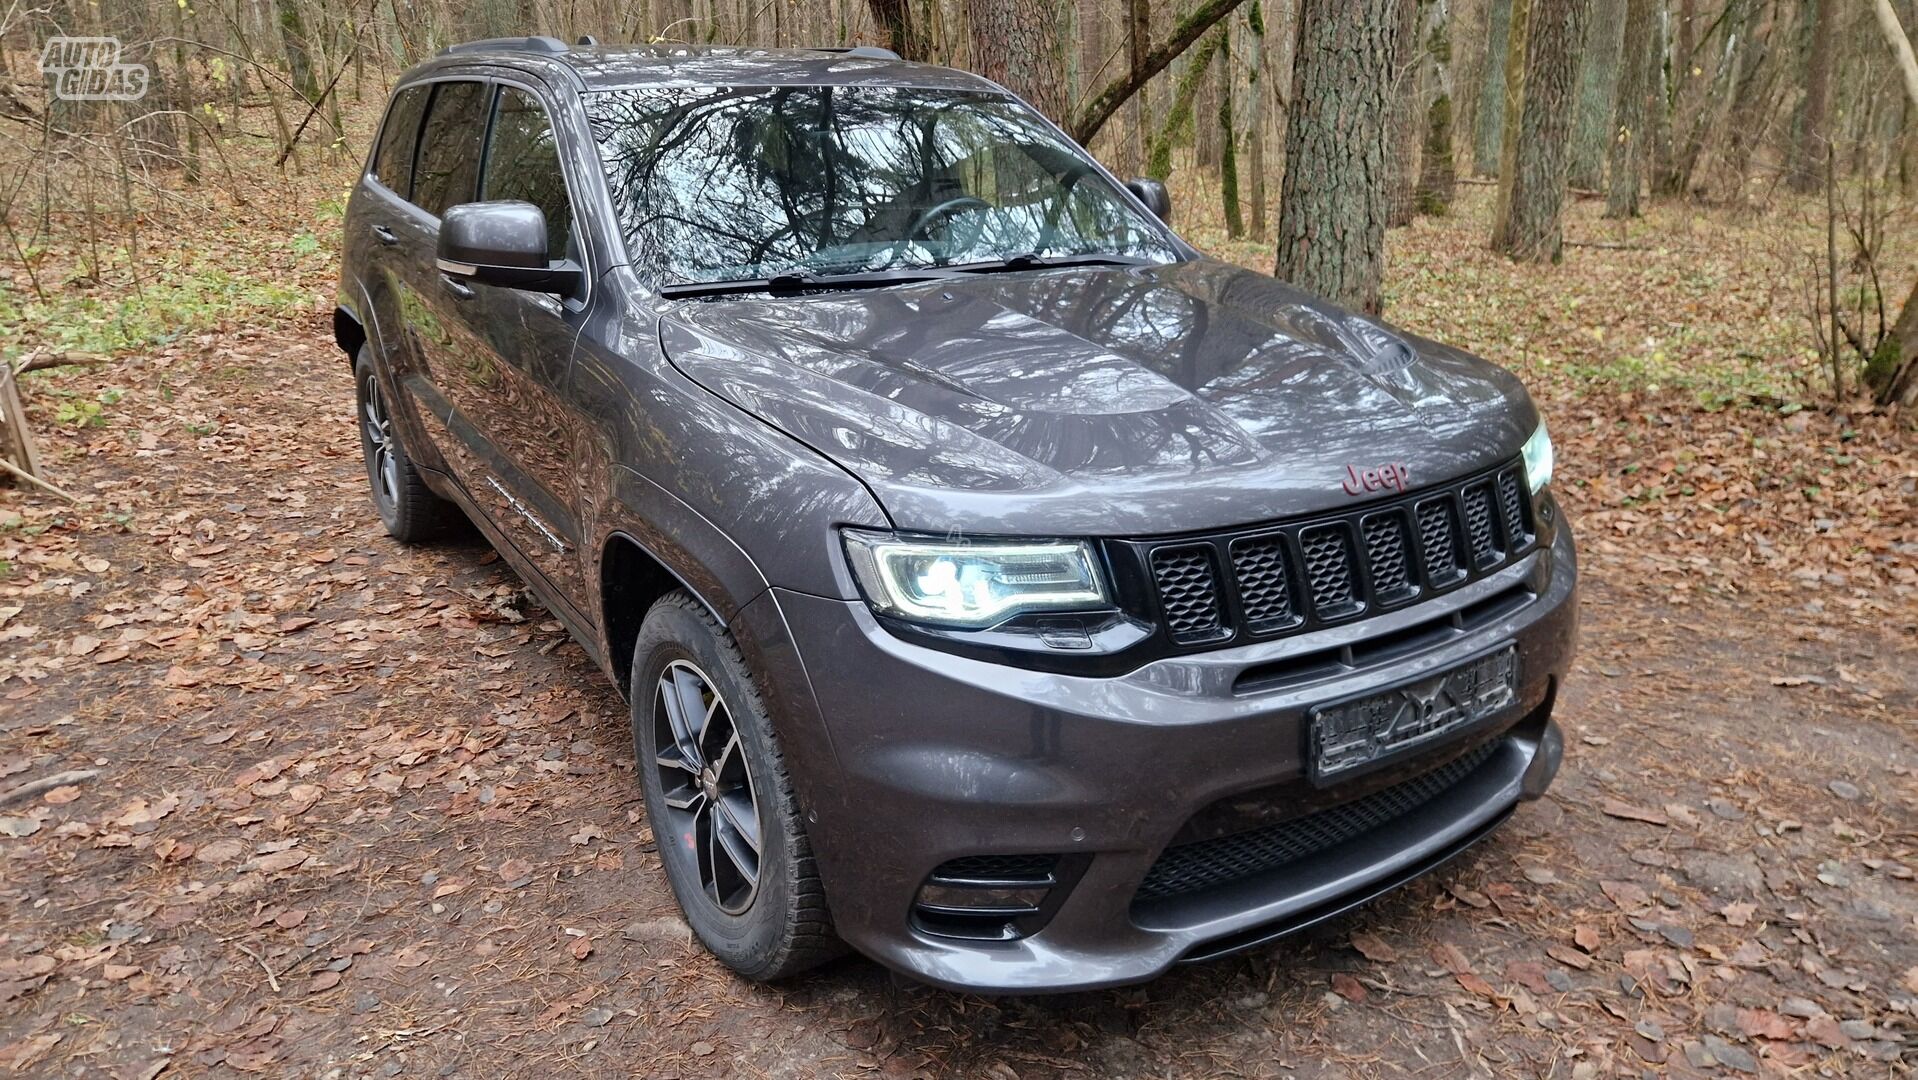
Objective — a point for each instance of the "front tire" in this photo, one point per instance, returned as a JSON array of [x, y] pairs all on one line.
[[408, 508], [720, 804]]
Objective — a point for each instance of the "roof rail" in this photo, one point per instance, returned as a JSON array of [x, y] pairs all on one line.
[[863, 52], [540, 44]]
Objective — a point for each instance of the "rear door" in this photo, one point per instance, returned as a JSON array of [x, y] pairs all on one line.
[[382, 241]]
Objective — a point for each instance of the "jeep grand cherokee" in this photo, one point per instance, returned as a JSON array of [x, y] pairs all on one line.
[[1000, 586]]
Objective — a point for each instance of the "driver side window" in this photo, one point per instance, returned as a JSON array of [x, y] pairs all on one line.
[[522, 162]]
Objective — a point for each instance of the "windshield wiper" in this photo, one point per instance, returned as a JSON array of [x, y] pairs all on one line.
[[795, 281], [1032, 260]]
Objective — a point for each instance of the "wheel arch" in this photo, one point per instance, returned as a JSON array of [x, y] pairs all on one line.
[[348, 333], [631, 579]]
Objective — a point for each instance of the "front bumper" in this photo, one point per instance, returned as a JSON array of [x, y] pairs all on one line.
[[907, 757]]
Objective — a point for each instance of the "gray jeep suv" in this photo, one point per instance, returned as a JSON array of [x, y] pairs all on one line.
[[1000, 586]]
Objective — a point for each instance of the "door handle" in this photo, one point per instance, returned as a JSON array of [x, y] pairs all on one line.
[[456, 287], [385, 235]]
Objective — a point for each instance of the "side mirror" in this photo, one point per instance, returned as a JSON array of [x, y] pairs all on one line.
[[503, 244], [1153, 194]]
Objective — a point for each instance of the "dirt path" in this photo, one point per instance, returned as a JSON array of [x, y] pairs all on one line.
[[360, 810]]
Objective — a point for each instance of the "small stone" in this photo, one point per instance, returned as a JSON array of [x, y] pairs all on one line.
[[1845, 789], [366, 1003], [1700, 1057], [1732, 1057], [1722, 809], [1802, 1008], [1858, 1029], [597, 1018], [702, 1048], [1560, 981], [1650, 1030]]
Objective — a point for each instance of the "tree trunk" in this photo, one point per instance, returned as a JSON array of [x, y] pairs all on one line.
[[1808, 152], [1020, 44], [1437, 180], [1228, 142], [299, 61], [1159, 159], [1406, 122], [1534, 192], [1255, 116], [1332, 203], [903, 33], [1597, 94], [1205, 134], [1632, 111], [1691, 98], [1517, 41], [1138, 43], [1490, 121]]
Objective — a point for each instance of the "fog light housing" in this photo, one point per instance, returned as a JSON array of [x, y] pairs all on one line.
[[992, 897]]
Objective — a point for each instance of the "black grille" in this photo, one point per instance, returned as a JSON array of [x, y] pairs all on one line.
[[1188, 591], [997, 868], [1298, 576], [1208, 864], [1265, 585]]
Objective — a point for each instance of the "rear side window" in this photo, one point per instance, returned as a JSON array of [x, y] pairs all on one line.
[[522, 162], [447, 169], [393, 163]]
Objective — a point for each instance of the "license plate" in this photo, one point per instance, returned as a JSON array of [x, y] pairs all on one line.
[[1355, 733]]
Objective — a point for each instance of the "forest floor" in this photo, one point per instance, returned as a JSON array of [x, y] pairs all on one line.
[[353, 809]]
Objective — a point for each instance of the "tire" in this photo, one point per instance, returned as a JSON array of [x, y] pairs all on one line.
[[780, 926], [409, 509]]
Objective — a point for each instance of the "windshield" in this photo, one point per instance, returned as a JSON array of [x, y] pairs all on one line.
[[733, 183]]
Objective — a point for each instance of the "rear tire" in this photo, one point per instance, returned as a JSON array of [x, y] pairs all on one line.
[[718, 798], [409, 509]]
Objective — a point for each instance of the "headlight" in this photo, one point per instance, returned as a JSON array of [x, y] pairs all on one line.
[[972, 585], [1538, 458]]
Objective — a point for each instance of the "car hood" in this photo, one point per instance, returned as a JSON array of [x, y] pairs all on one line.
[[1101, 401]]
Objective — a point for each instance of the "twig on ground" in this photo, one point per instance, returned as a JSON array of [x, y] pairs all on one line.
[[272, 979], [46, 783], [32, 479]]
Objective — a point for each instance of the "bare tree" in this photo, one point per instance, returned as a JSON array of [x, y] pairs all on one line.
[[1532, 192], [1332, 203], [1808, 152], [1633, 111], [1597, 94]]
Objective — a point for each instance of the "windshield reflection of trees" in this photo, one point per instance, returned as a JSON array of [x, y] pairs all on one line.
[[719, 183]]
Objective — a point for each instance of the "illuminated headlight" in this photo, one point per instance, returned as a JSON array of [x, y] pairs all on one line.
[[1538, 458], [973, 585]]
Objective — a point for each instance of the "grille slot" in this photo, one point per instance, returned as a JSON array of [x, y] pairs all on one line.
[[1189, 592], [997, 867], [1265, 586], [1388, 557], [1438, 540], [1478, 524], [1327, 551], [1209, 864], [1513, 507]]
